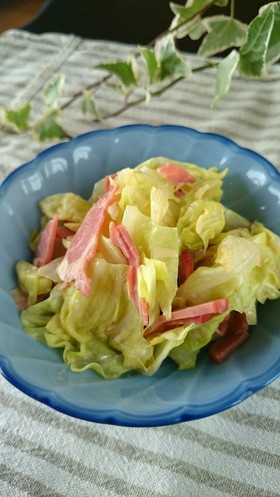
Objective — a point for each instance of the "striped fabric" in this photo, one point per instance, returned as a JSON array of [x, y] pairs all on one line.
[[46, 454]]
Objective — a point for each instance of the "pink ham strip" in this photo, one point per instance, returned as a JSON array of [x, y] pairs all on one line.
[[235, 334], [63, 232], [162, 324], [121, 238], [186, 266], [45, 249], [194, 314], [75, 264], [175, 174], [213, 307]]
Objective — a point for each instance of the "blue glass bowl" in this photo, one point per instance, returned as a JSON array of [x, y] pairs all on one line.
[[252, 188]]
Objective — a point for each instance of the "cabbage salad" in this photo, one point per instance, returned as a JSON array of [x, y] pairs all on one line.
[[152, 266]]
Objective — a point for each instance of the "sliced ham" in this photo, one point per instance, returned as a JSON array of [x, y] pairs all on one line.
[[235, 334], [162, 324], [186, 266], [177, 175], [225, 346], [75, 264], [223, 326], [45, 249], [121, 238], [194, 314], [213, 307], [63, 232]]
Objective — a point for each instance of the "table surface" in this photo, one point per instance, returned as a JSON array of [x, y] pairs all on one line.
[[44, 453]]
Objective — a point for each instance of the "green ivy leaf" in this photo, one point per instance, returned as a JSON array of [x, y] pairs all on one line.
[[48, 128], [191, 9], [53, 91], [151, 63], [164, 61], [254, 51], [224, 72], [197, 31], [193, 28], [273, 49], [223, 33], [170, 62], [124, 70], [187, 20], [88, 105], [17, 119]]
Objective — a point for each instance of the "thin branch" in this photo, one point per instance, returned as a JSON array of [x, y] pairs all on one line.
[[155, 93], [8, 130], [232, 8], [128, 103], [79, 93], [152, 43], [207, 65], [95, 86], [134, 103]]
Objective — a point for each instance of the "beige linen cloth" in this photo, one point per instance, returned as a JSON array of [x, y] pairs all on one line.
[[46, 454]]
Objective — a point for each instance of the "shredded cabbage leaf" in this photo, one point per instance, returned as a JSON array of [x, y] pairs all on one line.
[[235, 261]]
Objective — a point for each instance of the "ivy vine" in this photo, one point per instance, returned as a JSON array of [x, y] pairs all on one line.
[[226, 45]]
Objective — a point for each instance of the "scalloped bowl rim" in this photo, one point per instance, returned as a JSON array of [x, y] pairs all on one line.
[[171, 127]]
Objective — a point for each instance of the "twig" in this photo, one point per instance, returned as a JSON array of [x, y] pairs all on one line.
[[155, 93], [232, 8], [97, 84]]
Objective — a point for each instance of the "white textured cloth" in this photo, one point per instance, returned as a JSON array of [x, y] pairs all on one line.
[[46, 454]]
